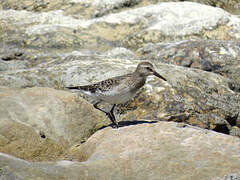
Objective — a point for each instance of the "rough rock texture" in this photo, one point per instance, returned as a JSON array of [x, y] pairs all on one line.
[[132, 28], [218, 56], [96, 8], [232, 6], [39, 123], [193, 96], [229, 177], [12, 57], [145, 151]]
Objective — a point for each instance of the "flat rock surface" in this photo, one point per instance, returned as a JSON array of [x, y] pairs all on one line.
[[163, 150]]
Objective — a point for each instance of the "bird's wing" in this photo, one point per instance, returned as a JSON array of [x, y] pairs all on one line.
[[102, 86]]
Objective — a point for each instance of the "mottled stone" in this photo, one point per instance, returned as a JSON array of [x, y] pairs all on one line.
[[218, 56], [229, 177], [120, 53], [132, 28], [91, 8], [13, 65]]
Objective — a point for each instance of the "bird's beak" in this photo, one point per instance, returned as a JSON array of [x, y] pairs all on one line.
[[158, 75]]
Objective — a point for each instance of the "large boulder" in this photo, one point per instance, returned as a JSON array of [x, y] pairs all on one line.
[[163, 150], [40, 123]]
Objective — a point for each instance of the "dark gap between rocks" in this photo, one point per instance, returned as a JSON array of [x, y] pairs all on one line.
[[129, 123], [232, 120], [234, 86], [222, 129]]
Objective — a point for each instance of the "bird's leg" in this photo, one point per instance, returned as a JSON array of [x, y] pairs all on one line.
[[112, 117], [109, 114], [95, 105]]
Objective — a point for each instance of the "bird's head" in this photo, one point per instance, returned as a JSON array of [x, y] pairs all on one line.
[[146, 69]]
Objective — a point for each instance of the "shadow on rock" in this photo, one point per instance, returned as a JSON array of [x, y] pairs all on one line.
[[129, 123]]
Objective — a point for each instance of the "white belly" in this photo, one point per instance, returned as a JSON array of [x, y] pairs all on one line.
[[112, 97], [117, 98]]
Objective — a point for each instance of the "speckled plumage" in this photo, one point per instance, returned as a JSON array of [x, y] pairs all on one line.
[[119, 89], [116, 90]]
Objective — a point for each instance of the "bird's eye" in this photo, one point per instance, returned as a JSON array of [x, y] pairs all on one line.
[[148, 68]]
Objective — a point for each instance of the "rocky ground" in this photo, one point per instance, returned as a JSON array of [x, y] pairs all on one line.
[[151, 150], [48, 132]]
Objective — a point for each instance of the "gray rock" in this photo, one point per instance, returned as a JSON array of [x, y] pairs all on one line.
[[229, 177], [89, 8], [218, 56], [120, 53], [12, 57], [103, 7], [10, 52], [37, 6], [131, 28], [13, 65]]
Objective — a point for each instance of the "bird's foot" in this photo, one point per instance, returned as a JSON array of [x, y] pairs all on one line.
[[113, 120]]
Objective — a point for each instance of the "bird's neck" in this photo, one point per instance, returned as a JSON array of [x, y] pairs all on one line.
[[140, 79], [137, 73]]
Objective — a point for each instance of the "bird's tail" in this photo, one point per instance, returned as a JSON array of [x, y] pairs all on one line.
[[82, 89], [74, 87]]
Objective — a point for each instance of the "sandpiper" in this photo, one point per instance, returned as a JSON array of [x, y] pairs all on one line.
[[120, 89]]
